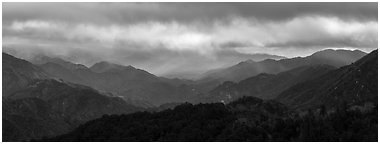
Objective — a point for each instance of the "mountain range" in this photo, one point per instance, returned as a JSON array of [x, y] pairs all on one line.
[[140, 86], [37, 105], [47, 96], [248, 68], [353, 84], [266, 86], [321, 108], [136, 85]]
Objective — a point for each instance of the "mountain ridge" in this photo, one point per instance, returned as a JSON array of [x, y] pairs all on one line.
[[266, 86], [36, 104], [246, 69], [350, 84]]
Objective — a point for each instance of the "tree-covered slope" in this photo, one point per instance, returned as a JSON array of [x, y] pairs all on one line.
[[353, 84]]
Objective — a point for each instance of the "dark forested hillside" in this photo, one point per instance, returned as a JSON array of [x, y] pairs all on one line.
[[247, 119], [266, 86], [18, 73], [184, 123], [352, 84], [50, 107], [79, 102]]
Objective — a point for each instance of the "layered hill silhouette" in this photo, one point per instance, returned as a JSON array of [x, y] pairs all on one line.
[[132, 84], [246, 69], [352, 84], [339, 105], [266, 86], [328, 96], [147, 90], [18, 73], [36, 105]]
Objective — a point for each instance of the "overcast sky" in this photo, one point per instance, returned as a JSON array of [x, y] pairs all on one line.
[[164, 38]]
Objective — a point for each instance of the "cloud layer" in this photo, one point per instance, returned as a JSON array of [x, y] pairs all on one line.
[[166, 38]]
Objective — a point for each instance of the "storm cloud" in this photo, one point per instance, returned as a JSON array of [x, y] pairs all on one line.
[[165, 38]]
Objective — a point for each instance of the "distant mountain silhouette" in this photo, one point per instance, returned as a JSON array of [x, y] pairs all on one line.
[[42, 59], [134, 85], [266, 86], [352, 84], [250, 68], [36, 105], [104, 66], [330, 95], [59, 71], [227, 56], [18, 73]]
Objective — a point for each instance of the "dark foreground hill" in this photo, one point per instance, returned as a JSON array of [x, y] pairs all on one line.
[[247, 119]]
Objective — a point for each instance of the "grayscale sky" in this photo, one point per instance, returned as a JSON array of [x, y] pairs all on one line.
[[165, 38]]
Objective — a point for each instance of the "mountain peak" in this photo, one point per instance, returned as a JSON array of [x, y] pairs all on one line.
[[248, 61], [104, 66], [327, 52], [43, 59]]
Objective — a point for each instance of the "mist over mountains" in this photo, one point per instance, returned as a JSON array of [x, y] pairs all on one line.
[[48, 96], [245, 69], [190, 72], [319, 108], [139, 85]]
